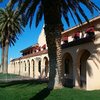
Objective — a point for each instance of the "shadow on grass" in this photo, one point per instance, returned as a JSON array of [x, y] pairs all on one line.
[[19, 82], [41, 95]]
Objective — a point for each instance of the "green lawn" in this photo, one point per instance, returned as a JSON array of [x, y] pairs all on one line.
[[8, 76], [35, 90]]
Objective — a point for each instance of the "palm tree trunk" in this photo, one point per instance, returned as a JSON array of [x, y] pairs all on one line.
[[53, 39], [2, 60], [6, 57]]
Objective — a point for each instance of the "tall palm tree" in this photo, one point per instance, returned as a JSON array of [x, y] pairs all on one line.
[[10, 25], [53, 10], [1, 1], [2, 47]]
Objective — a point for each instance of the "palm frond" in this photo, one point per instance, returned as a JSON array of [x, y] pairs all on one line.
[[82, 12], [72, 15], [24, 5], [11, 25], [87, 4], [11, 4], [66, 18], [95, 6], [65, 12], [73, 6], [39, 14], [31, 10]]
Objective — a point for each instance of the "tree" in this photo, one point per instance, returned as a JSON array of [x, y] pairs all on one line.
[[2, 46], [11, 26], [1, 1], [53, 10]]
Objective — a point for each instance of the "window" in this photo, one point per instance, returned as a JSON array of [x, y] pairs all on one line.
[[77, 36], [44, 47], [66, 66], [90, 31], [39, 66], [25, 66], [65, 39]]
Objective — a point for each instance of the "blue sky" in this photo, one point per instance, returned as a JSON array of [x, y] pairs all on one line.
[[30, 36]]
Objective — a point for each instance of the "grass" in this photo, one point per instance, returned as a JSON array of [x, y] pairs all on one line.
[[8, 76], [36, 90], [20, 90]]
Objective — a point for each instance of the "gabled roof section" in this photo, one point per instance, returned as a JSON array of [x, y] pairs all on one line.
[[79, 27], [29, 47], [31, 55]]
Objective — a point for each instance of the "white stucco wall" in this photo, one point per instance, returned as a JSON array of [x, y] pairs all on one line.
[[93, 62], [42, 39], [93, 80]]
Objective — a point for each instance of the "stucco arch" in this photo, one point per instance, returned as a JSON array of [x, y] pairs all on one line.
[[21, 67], [82, 66], [24, 65], [33, 67], [14, 67], [46, 65], [80, 52], [39, 66], [28, 66], [67, 61]]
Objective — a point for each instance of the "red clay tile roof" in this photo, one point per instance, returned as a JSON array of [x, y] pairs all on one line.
[[28, 48], [64, 38], [77, 34], [32, 55], [44, 46], [90, 29]]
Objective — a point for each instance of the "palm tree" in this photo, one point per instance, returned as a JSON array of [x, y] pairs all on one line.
[[10, 25], [53, 10], [1, 1], [2, 46]]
